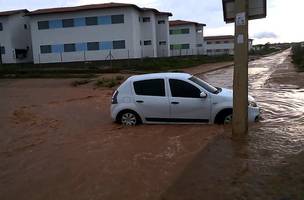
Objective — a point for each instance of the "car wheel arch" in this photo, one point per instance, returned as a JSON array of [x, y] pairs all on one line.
[[120, 113], [221, 113]]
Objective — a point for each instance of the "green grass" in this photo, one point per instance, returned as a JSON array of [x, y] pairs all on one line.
[[109, 83], [298, 56], [89, 69]]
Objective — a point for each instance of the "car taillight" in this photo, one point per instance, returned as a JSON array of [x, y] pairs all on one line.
[[114, 97]]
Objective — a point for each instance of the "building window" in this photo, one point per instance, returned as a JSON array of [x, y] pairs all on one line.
[[218, 50], [55, 24], [25, 26], [68, 23], [103, 20], [185, 31], [209, 51], [185, 46], [139, 19], [226, 42], [199, 45], [57, 48], [146, 19], [209, 42], [45, 49], [162, 43], [91, 21], [147, 42], [1, 27], [218, 42], [179, 46], [179, 31], [140, 43], [117, 19], [43, 25], [79, 22], [119, 44], [161, 22], [2, 50], [69, 48], [93, 46]]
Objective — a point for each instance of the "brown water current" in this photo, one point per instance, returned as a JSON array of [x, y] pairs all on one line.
[[278, 137]]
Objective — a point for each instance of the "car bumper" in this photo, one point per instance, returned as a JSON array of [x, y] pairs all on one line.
[[253, 114]]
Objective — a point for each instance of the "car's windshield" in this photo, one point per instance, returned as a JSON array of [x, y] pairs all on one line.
[[205, 85]]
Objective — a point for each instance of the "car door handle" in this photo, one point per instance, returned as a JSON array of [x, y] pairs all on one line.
[[140, 101], [174, 102]]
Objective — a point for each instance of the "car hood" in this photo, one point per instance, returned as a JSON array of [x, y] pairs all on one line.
[[228, 94]]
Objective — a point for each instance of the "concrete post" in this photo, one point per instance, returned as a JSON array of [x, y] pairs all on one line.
[[240, 78]]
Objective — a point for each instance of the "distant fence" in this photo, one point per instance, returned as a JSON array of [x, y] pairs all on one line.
[[115, 54]]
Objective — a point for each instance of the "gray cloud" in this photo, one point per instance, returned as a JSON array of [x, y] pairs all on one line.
[[265, 35]]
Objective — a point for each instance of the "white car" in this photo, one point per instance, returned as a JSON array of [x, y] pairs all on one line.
[[174, 98]]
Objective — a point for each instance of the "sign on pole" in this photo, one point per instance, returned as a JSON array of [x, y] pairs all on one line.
[[256, 10]]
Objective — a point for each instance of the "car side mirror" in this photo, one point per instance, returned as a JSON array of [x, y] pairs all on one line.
[[203, 95]]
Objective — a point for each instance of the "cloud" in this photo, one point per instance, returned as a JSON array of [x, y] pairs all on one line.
[[265, 35]]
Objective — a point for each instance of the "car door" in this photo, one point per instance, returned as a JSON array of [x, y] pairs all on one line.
[[151, 99], [186, 105]]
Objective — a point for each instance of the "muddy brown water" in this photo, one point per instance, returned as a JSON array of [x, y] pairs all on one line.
[[268, 163], [282, 106]]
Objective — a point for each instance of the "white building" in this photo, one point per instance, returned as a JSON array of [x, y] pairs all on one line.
[[219, 45], [98, 32], [186, 38], [15, 39]]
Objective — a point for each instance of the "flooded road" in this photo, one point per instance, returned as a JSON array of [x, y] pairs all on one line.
[[269, 162], [281, 129]]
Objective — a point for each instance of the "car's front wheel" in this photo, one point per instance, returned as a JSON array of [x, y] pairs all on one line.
[[224, 117], [128, 118]]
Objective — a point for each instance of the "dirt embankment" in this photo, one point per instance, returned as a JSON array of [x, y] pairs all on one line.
[[287, 75]]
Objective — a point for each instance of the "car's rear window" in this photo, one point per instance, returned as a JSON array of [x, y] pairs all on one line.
[[152, 87]]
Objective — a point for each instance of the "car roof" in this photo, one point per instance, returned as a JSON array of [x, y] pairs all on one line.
[[160, 75]]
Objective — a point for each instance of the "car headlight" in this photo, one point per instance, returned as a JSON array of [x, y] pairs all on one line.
[[252, 104]]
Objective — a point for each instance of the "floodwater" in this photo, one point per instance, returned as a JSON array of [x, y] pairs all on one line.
[[280, 134], [282, 126]]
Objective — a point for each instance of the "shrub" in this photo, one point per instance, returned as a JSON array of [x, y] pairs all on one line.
[[109, 83], [79, 82]]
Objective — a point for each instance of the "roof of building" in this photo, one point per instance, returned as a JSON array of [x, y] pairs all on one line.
[[182, 22], [12, 12], [94, 7], [221, 37]]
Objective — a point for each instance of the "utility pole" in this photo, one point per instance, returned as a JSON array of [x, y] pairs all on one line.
[[240, 78]]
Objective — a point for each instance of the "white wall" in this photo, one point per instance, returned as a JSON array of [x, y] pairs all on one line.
[[162, 34], [193, 38], [15, 36], [222, 47], [84, 34], [132, 31]]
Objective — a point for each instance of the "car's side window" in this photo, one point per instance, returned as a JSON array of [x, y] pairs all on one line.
[[152, 87], [183, 89]]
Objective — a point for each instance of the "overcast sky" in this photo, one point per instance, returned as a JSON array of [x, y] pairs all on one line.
[[283, 23]]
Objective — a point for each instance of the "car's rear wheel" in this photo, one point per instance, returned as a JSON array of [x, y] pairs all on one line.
[[128, 118]]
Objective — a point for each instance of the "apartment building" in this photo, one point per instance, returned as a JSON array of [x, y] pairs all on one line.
[[15, 39], [186, 38], [98, 32], [219, 45]]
